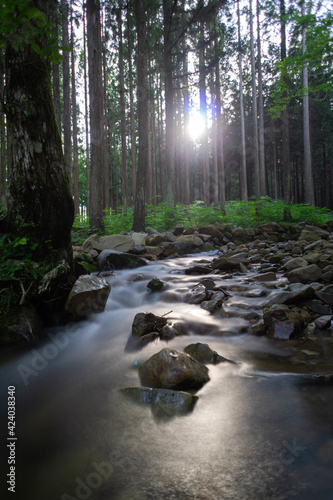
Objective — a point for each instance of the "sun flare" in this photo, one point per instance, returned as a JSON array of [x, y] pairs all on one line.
[[196, 125]]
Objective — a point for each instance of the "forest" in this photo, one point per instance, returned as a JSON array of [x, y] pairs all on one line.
[[177, 101]]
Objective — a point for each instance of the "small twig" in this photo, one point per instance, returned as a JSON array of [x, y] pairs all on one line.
[[166, 314], [24, 293]]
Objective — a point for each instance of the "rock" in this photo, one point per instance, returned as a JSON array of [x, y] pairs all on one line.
[[326, 294], [156, 285], [203, 353], [118, 242], [176, 247], [179, 229], [196, 295], [266, 277], [309, 235], [164, 402], [214, 303], [151, 231], [170, 369], [282, 323], [271, 227], [20, 324], [226, 263], [154, 240], [156, 251], [211, 231], [295, 292], [139, 238], [148, 337], [168, 332], [88, 295], [93, 243], [208, 283], [305, 274], [198, 269], [255, 293], [191, 239], [323, 321], [295, 263], [112, 259], [144, 323]]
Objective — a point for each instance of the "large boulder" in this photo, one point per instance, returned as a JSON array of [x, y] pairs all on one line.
[[295, 263], [170, 369], [283, 323], [144, 323], [203, 353], [88, 295], [164, 402], [192, 239], [306, 274], [119, 242], [112, 259]]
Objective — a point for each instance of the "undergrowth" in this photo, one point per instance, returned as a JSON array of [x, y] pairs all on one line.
[[163, 217]]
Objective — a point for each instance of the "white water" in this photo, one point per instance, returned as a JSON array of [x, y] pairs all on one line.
[[251, 435]]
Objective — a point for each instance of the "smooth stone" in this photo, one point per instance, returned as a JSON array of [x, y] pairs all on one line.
[[146, 323], [203, 353], [88, 295]]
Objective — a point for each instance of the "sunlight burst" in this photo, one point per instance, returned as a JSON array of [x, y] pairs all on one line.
[[197, 125]]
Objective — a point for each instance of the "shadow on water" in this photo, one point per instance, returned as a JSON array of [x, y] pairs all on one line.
[[253, 434]]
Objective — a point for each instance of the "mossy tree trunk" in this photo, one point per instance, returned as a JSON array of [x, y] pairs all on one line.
[[40, 204]]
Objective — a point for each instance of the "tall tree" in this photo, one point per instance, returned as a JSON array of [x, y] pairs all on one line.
[[242, 173], [261, 130], [255, 143], [75, 128], [308, 176], [143, 115], [124, 178], [96, 113], [66, 90], [40, 204]]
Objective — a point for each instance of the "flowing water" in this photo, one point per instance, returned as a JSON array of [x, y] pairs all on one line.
[[253, 434]]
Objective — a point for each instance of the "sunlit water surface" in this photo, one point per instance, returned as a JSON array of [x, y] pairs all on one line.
[[252, 435]]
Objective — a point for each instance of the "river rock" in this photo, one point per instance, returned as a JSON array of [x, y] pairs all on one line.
[[179, 229], [88, 295], [144, 323], [112, 259], [118, 242], [269, 276], [294, 293], [156, 285], [196, 295], [283, 323], [227, 263], [323, 321], [170, 369], [175, 247], [154, 239], [93, 243], [306, 274], [165, 402], [139, 238], [198, 269], [211, 231], [191, 239], [214, 303], [203, 353], [295, 263], [326, 294]]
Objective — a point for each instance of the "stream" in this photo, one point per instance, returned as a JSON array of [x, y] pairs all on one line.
[[255, 433]]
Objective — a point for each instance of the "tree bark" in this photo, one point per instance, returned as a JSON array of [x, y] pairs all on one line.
[[255, 142], [86, 108], [143, 116], [66, 91], [124, 180], [308, 175], [75, 131], [40, 204], [96, 113], [242, 173], [131, 97], [262, 167]]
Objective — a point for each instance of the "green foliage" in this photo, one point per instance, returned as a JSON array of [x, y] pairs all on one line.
[[18, 271], [22, 24], [162, 217]]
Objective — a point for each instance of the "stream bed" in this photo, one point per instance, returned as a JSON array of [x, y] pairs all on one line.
[[258, 430]]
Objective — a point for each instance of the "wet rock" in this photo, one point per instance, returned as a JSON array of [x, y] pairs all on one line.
[[148, 337], [176, 247], [295, 293], [270, 276], [164, 402], [295, 263], [208, 283], [226, 263], [198, 269], [112, 259], [305, 274], [323, 321], [283, 323], [118, 242], [203, 353], [191, 239], [196, 295], [256, 292], [214, 303], [326, 294], [20, 324], [156, 285], [170, 369], [88, 295], [155, 251], [144, 323], [155, 239], [168, 332]]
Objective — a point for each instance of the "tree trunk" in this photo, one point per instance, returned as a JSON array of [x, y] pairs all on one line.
[[66, 91], [219, 140], [86, 108], [75, 131], [242, 173], [124, 180], [169, 176], [143, 116], [203, 112], [308, 176], [131, 96], [262, 167], [40, 204], [255, 142], [56, 76], [96, 113]]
